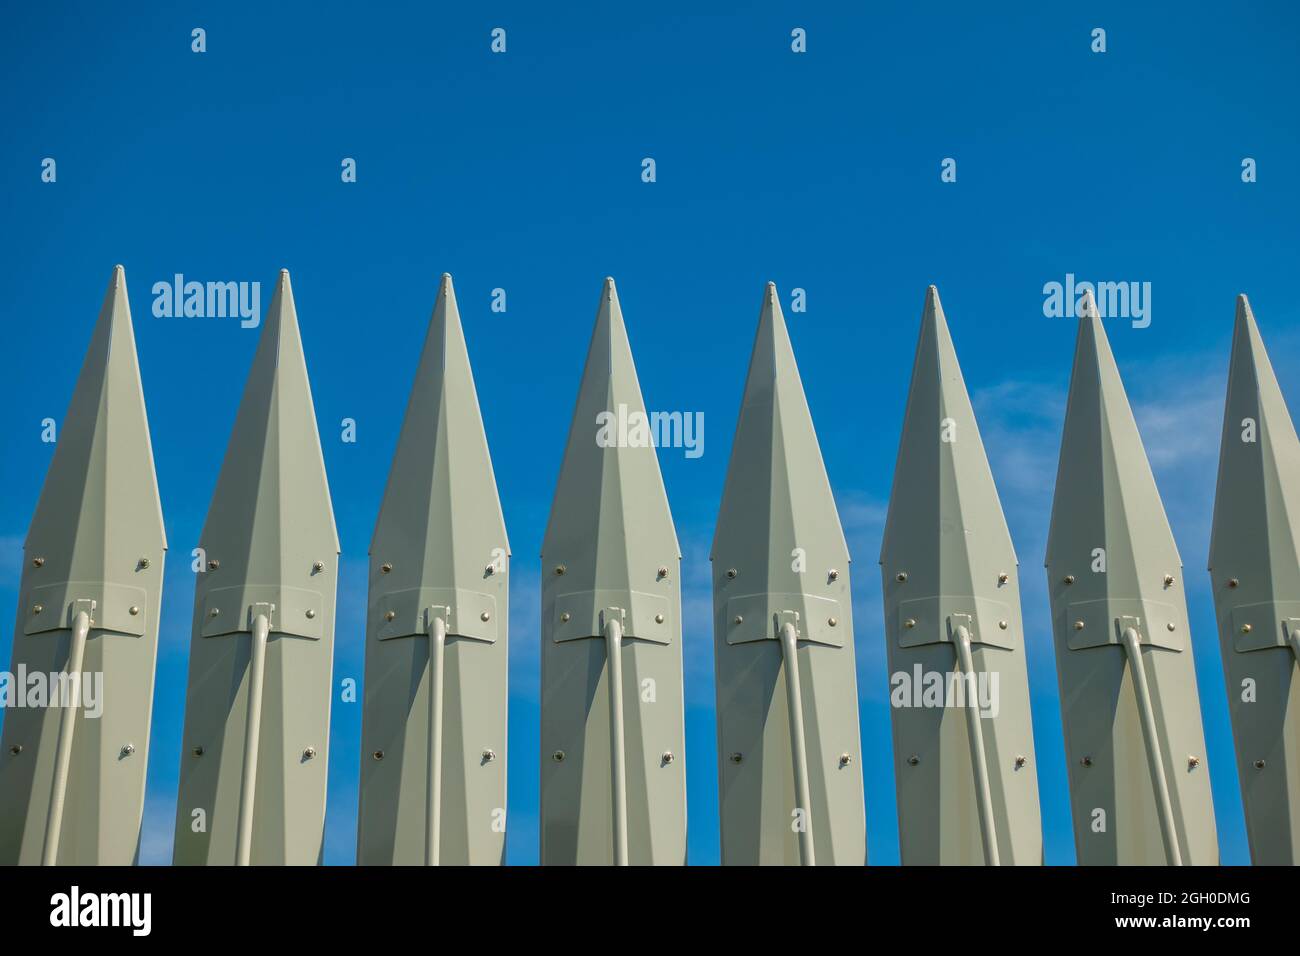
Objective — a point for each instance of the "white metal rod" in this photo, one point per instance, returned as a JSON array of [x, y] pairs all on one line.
[[433, 798], [1168, 829], [966, 667], [617, 754], [252, 734], [63, 751], [803, 793]]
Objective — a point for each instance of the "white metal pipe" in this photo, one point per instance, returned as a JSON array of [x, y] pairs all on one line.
[[979, 759], [798, 746], [433, 798], [63, 750], [617, 747], [1168, 829], [252, 735]]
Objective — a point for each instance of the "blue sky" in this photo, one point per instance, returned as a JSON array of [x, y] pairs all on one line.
[[523, 171]]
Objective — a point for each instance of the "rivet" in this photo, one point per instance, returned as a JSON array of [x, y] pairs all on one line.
[[133, 610], [1086, 761], [731, 572], [1169, 579], [1171, 626], [1002, 625], [128, 750], [1245, 628], [318, 566], [1078, 625], [143, 563], [910, 623], [16, 749], [913, 760], [378, 755], [558, 756], [214, 564], [833, 574], [1193, 761], [389, 615], [1233, 582], [214, 612], [38, 562], [385, 568], [311, 612], [739, 619], [309, 753], [1069, 579], [38, 608], [846, 759], [900, 577], [564, 618], [667, 756], [737, 757], [1259, 765], [1003, 578], [489, 756], [485, 616], [659, 618], [560, 569], [1020, 761], [663, 571], [832, 621], [197, 751]]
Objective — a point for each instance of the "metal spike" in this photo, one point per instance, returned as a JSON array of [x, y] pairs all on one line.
[[67, 793], [973, 796], [1255, 569], [608, 660], [441, 661], [1128, 685], [260, 665], [783, 632]]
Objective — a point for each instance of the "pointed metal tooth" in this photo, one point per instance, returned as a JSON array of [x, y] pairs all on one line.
[[609, 534], [780, 557], [95, 544], [270, 550], [973, 796], [1113, 575], [1255, 570], [439, 551]]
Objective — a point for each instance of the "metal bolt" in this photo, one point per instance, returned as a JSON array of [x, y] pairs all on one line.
[[489, 756], [143, 563], [214, 564], [910, 623], [378, 755], [214, 612], [1002, 625], [38, 562], [490, 569], [1086, 761], [16, 749], [913, 760], [1245, 628], [389, 615], [485, 616], [385, 568], [739, 619], [1069, 579], [833, 574], [667, 757], [309, 753], [900, 577], [1171, 626], [832, 621], [731, 572], [37, 608], [1020, 761], [659, 618], [846, 759], [558, 756], [1233, 582], [663, 571], [318, 566], [1259, 765], [1193, 762], [1169, 579], [737, 757], [560, 569], [1003, 578], [128, 750], [1078, 625], [564, 618], [197, 751], [133, 610], [311, 612]]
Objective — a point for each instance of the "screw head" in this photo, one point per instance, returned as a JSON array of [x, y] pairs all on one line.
[[38, 562], [1171, 626], [1169, 579], [558, 756], [1233, 582], [197, 751], [214, 612], [1245, 628], [846, 759], [142, 563], [832, 621], [318, 566], [1020, 761], [308, 753], [311, 612], [1003, 578], [389, 615], [378, 755], [910, 623], [663, 571], [385, 568], [739, 619], [1069, 579], [38, 608], [900, 577], [127, 750], [667, 757], [565, 617], [16, 749], [1002, 625], [913, 760], [659, 618], [560, 569], [489, 756], [833, 574], [1086, 761], [490, 569], [1259, 765], [736, 757], [485, 616], [1078, 625], [214, 564], [133, 610], [1193, 762], [731, 572]]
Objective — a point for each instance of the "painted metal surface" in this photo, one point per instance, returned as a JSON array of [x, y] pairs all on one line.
[[72, 782], [1139, 785], [1255, 570], [611, 602], [433, 762], [964, 763], [266, 587], [789, 766]]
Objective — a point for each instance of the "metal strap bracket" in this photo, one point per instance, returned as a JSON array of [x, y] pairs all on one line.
[[760, 617], [109, 607], [1104, 621], [294, 611]]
